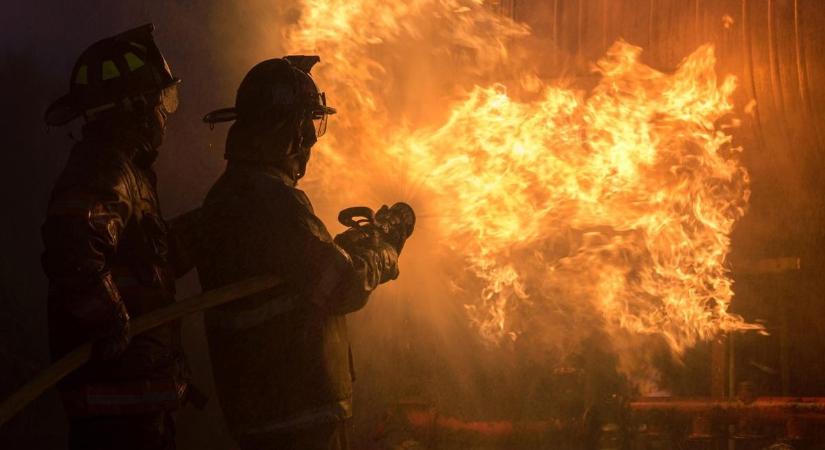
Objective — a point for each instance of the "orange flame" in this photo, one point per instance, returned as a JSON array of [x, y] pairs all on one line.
[[618, 200]]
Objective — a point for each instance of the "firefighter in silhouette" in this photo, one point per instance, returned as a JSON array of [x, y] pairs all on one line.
[[281, 360], [109, 254]]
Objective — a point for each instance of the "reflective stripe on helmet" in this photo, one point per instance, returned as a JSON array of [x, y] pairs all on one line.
[[108, 70], [82, 76], [133, 61]]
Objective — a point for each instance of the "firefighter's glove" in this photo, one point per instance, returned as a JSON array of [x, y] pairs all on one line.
[[386, 259], [397, 223], [357, 237], [391, 224], [369, 251]]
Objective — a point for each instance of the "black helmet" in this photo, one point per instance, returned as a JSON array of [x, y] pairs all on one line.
[[114, 73], [277, 89]]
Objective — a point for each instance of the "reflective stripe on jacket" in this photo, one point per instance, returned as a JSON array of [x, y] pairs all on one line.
[[123, 398], [105, 240]]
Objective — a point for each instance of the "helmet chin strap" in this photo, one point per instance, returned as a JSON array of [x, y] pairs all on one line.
[[298, 151], [153, 129], [302, 164], [291, 164]]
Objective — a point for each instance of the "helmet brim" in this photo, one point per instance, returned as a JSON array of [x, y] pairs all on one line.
[[328, 110], [65, 109], [61, 111], [221, 115], [230, 114]]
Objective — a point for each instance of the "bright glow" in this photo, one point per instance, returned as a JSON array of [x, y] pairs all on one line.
[[616, 202]]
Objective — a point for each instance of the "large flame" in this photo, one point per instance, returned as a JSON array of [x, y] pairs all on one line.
[[614, 202]]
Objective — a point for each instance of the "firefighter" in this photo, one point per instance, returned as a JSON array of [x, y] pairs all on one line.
[[281, 360], [109, 255]]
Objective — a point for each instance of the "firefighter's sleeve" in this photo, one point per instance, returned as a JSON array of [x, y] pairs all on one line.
[[339, 280], [81, 232]]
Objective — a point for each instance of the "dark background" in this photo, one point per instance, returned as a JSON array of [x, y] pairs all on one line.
[[772, 46], [39, 44]]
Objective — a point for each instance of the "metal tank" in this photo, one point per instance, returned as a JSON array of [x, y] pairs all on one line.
[[772, 46], [777, 51]]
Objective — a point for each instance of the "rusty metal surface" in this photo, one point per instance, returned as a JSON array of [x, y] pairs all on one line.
[[772, 46], [776, 51]]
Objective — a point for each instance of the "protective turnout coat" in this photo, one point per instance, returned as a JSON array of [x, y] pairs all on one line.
[[107, 244], [281, 359]]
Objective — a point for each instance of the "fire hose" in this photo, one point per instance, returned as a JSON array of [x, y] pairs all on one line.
[[394, 224], [79, 356]]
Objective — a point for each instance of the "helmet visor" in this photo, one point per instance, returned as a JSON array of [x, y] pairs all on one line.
[[169, 99], [320, 126], [320, 114]]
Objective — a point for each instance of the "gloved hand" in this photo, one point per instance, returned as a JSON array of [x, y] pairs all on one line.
[[367, 249], [385, 258], [392, 225], [375, 239], [397, 224], [354, 238]]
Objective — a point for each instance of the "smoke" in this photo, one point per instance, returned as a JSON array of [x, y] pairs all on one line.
[[440, 106], [415, 338]]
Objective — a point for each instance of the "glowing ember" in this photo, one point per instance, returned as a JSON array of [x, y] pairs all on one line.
[[563, 204]]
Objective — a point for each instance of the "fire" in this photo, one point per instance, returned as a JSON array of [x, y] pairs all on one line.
[[614, 203]]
